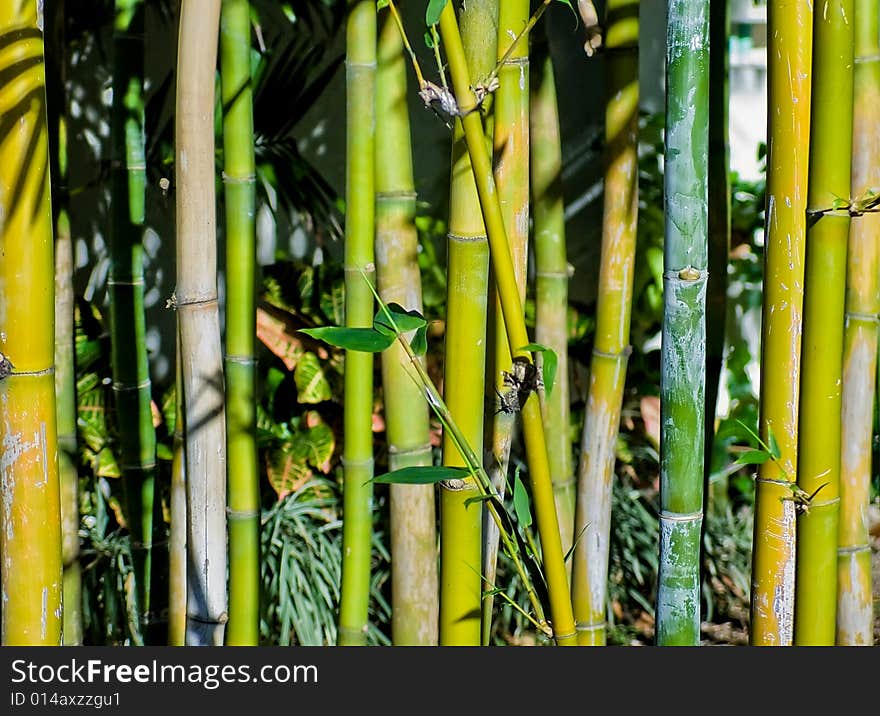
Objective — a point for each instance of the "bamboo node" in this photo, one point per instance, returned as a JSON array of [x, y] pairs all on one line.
[[667, 516], [244, 179], [6, 367], [454, 485], [590, 626], [625, 352], [857, 316], [134, 387]]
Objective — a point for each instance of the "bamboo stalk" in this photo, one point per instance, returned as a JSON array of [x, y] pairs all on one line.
[[414, 580], [130, 366], [239, 182], [511, 156], [611, 347], [551, 279], [562, 618], [360, 67], [683, 357], [65, 354], [855, 612], [30, 521], [815, 604], [465, 354], [789, 43], [198, 323], [716, 497], [177, 551]]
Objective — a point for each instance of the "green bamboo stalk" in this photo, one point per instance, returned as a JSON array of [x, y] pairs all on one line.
[[239, 182], [511, 156], [551, 279], [465, 353], [414, 580], [198, 323], [683, 356], [562, 618], [30, 521], [177, 531], [789, 43], [613, 310], [815, 605], [716, 496], [855, 613], [360, 64], [65, 353], [130, 366]]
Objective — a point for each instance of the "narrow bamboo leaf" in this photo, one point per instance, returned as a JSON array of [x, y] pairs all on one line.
[[367, 340], [477, 498], [775, 452], [432, 14], [312, 385], [753, 457], [549, 366], [419, 343], [404, 320], [381, 3], [422, 475], [521, 502]]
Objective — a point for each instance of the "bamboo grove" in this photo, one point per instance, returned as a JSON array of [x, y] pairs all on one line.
[[421, 435]]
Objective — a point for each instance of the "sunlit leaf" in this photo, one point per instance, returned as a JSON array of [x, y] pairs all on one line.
[[367, 340], [432, 13], [521, 502], [422, 475], [753, 457]]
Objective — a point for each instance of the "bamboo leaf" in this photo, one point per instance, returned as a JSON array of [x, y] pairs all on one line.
[[419, 342], [753, 457], [419, 475], [312, 385], [477, 498], [775, 452], [397, 319], [549, 366], [432, 14], [521, 502], [367, 340]]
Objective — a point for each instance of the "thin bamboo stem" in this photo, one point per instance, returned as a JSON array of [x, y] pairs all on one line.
[[855, 611], [789, 43], [562, 618], [30, 521], [360, 67], [199, 325], [239, 184], [683, 357], [177, 552], [815, 606], [613, 310]]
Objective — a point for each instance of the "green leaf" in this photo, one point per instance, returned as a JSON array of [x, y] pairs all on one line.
[[419, 342], [405, 321], [312, 385], [477, 498], [163, 452], [775, 452], [321, 443], [548, 368], [432, 14], [367, 340], [521, 502], [422, 475], [381, 3], [753, 457]]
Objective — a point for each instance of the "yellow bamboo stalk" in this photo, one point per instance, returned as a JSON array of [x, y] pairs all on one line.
[[789, 54], [562, 618], [855, 612], [30, 516]]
